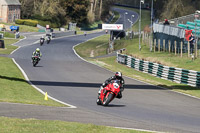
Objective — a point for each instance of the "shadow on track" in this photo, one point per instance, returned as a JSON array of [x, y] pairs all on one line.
[[96, 85], [12, 78], [114, 105]]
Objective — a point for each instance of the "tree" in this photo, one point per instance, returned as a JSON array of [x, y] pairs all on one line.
[[77, 10]]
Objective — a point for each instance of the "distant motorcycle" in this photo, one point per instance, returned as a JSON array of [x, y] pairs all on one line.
[[48, 39], [41, 41], [108, 93], [35, 60]]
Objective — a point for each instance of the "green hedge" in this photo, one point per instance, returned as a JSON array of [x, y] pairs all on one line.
[[28, 22], [44, 23], [31, 22], [19, 21], [34, 23]]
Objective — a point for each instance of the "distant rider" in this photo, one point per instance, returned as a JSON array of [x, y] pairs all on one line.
[[117, 76], [37, 52], [42, 38]]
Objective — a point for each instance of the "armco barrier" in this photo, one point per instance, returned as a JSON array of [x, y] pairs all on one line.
[[177, 75]]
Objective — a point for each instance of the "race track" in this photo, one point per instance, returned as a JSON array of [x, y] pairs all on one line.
[[68, 78]]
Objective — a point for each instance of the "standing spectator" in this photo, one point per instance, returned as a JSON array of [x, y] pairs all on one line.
[[192, 43], [166, 22]]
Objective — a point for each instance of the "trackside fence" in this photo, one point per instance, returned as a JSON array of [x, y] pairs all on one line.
[[177, 75]]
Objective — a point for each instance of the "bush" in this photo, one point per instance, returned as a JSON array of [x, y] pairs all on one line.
[[19, 21], [34, 23], [28, 22]]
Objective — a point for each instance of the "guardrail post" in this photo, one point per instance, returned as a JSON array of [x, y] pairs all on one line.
[[175, 47], [151, 43], [164, 45], [158, 45], [169, 44], [181, 49], [196, 53], [188, 49], [154, 46], [143, 37]]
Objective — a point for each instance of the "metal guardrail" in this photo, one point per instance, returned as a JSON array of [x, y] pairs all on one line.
[[169, 30], [182, 20], [177, 75]]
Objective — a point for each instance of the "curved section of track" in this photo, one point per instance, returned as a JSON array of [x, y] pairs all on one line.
[[68, 78]]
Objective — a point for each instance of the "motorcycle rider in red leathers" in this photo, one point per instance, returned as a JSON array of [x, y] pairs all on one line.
[[118, 76]]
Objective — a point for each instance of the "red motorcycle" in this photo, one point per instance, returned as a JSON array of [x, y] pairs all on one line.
[[109, 92]]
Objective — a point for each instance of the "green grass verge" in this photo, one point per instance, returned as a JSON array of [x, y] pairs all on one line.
[[23, 28], [7, 34], [95, 47], [164, 58], [15, 89], [8, 47], [13, 125], [132, 47]]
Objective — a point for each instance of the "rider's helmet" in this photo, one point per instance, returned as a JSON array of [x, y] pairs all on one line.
[[118, 75], [37, 50]]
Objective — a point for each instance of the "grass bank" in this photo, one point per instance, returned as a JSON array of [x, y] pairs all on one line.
[[13, 86], [94, 47], [8, 46], [132, 49], [22, 28], [13, 125]]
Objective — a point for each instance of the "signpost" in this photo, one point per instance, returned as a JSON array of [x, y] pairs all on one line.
[[115, 27], [112, 26]]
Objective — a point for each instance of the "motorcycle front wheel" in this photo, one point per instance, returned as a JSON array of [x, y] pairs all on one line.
[[35, 63], [98, 101], [108, 99]]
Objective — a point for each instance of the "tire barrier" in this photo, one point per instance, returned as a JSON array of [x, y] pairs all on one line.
[[178, 75]]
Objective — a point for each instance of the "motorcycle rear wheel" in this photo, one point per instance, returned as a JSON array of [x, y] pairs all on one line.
[[108, 99]]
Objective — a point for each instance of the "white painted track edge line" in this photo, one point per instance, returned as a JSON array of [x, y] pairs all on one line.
[[143, 130], [27, 79]]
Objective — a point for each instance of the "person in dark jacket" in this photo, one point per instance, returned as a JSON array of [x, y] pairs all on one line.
[[118, 76], [166, 22], [192, 43]]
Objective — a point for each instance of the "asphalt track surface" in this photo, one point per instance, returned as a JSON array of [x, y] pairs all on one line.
[[68, 78]]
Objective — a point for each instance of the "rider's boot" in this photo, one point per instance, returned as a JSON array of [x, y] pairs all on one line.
[[99, 92], [119, 95]]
